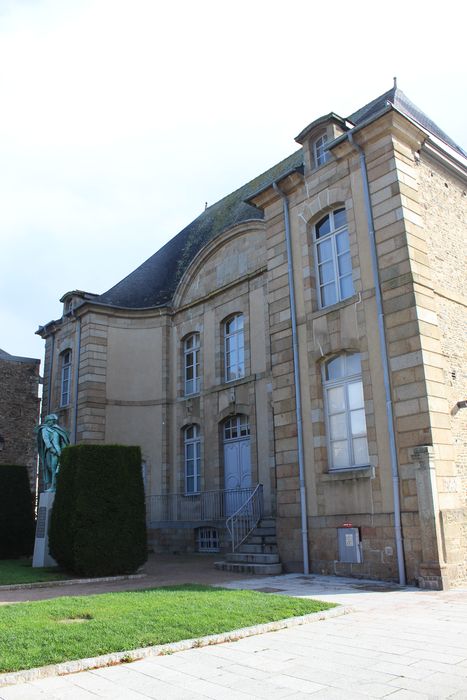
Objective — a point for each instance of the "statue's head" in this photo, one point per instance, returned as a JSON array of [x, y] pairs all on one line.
[[51, 419]]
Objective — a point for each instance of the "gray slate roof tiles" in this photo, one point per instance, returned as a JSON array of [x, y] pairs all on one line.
[[154, 282], [401, 102]]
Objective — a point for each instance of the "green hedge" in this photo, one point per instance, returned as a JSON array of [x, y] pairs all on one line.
[[98, 524], [16, 512]]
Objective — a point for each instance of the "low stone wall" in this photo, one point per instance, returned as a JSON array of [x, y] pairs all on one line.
[[180, 540], [172, 541]]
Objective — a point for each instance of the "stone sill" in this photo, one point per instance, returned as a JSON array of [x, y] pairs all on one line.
[[336, 307], [349, 474]]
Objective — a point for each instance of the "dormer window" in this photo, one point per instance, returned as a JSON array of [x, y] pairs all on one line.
[[320, 151], [68, 305]]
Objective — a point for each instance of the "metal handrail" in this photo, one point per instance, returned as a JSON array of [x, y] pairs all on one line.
[[241, 523]]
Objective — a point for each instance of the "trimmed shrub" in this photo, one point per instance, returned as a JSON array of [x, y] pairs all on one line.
[[16, 512], [98, 524]]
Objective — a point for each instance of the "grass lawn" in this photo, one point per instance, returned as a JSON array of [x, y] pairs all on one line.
[[47, 632], [20, 571]]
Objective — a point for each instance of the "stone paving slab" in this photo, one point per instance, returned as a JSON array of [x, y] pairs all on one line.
[[402, 644]]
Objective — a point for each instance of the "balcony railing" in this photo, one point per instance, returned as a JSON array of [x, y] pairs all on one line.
[[201, 507]]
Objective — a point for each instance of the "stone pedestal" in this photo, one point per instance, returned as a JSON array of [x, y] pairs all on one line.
[[41, 545]]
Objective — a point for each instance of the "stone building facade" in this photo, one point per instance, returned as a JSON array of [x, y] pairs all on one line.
[[305, 333], [19, 412]]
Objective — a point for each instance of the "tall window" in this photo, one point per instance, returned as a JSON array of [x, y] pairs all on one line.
[[65, 385], [333, 261], [345, 412], [191, 364], [320, 151], [192, 459], [234, 348]]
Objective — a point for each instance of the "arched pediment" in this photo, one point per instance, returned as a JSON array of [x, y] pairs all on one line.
[[324, 202], [235, 254]]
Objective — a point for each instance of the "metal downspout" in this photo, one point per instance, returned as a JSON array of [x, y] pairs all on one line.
[[75, 411], [298, 393], [385, 361]]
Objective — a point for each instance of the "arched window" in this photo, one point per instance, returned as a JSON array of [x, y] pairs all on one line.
[[234, 348], [333, 261], [320, 151], [192, 459], [191, 364], [345, 412], [65, 383]]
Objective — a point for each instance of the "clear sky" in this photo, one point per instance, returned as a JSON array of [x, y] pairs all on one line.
[[120, 119]]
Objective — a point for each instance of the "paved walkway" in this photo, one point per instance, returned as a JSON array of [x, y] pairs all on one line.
[[400, 644], [160, 570]]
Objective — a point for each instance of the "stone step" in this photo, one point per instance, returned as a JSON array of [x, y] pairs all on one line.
[[267, 522], [248, 548], [264, 531], [244, 568], [262, 539], [254, 558]]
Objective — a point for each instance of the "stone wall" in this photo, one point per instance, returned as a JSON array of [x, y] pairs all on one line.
[[19, 411], [443, 201], [131, 382], [180, 540]]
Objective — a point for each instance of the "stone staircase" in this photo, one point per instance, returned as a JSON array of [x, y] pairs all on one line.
[[257, 555]]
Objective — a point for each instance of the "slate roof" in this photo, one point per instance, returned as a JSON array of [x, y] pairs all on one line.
[[401, 102], [154, 282], [4, 355]]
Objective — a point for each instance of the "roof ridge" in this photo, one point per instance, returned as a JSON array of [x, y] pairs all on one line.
[[399, 100], [360, 113]]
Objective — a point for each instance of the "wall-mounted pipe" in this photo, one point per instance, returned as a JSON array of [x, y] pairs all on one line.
[[385, 361], [298, 395]]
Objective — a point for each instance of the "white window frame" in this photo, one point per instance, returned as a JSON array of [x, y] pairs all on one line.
[[321, 154], [65, 378], [347, 380], [191, 354], [234, 346], [236, 428], [192, 457], [335, 258]]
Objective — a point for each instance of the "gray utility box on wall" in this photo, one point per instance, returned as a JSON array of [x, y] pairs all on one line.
[[349, 545]]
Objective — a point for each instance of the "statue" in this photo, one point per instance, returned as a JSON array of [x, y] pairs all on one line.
[[51, 439]]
